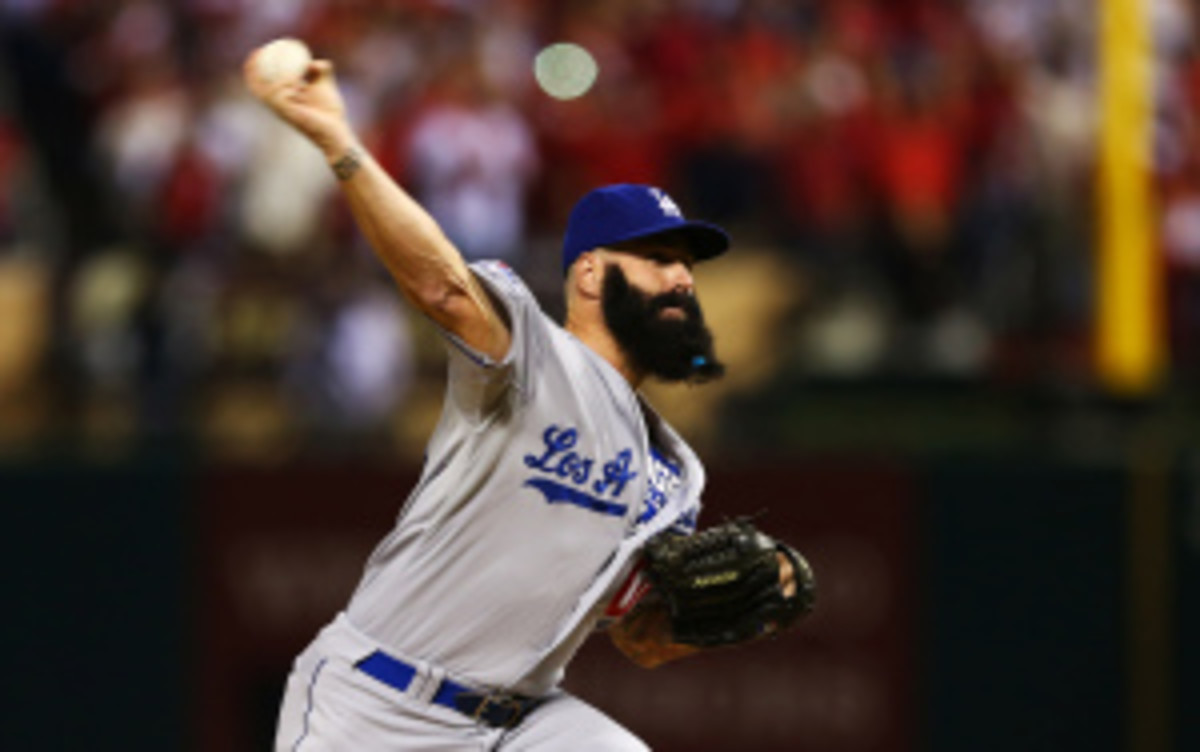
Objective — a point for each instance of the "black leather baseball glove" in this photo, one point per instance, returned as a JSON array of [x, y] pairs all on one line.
[[722, 585]]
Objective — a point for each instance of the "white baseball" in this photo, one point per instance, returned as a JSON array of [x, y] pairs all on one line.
[[283, 59]]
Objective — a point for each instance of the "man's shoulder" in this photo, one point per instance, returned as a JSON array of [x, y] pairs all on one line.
[[503, 282], [500, 274]]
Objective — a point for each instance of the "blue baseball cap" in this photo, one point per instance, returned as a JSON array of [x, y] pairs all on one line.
[[626, 211]]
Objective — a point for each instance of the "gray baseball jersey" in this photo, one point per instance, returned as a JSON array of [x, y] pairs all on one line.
[[540, 484]]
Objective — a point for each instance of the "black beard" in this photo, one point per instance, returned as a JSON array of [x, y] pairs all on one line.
[[668, 348]]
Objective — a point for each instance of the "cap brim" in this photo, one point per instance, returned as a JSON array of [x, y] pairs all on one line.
[[704, 240]]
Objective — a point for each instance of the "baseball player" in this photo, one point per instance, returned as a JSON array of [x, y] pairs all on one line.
[[545, 480]]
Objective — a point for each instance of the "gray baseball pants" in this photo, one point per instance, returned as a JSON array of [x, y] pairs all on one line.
[[330, 706]]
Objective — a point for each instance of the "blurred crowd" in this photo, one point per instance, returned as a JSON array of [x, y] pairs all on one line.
[[175, 264]]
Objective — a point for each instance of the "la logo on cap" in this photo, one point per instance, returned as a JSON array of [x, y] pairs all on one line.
[[668, 206], [622, 212]]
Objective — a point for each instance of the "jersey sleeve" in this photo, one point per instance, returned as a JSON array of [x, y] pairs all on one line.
[[478, 383]]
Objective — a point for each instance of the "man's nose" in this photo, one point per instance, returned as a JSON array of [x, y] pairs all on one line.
[[680, 279]]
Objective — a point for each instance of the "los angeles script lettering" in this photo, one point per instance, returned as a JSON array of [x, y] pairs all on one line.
[[560, 459]]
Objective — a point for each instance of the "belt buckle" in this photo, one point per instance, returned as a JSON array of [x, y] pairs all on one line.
[[502, 700]]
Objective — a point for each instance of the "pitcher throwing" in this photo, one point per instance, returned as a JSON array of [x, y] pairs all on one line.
[[554, 502]]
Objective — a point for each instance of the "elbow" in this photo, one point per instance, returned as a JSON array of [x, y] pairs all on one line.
[[439, 297]]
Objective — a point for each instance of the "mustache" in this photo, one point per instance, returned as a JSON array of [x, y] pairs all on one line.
[[676, 299]]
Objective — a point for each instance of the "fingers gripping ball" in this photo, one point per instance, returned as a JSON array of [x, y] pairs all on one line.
[[722, 586], [282, 60]]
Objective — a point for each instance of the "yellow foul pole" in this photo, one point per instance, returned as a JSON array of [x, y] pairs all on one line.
[[1129, 327], [1131, 353]]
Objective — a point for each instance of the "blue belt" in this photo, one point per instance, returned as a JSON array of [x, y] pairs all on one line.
[[496, 709]]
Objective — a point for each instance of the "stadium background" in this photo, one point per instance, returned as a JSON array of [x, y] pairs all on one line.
[[211, 403]]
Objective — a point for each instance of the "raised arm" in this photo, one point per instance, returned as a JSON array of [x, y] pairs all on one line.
[[426, 266]]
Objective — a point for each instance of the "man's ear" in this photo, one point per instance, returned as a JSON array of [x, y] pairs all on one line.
[[589, 275]]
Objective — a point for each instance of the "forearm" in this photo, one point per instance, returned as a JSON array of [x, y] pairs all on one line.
[[644, 636], [426, 266]]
